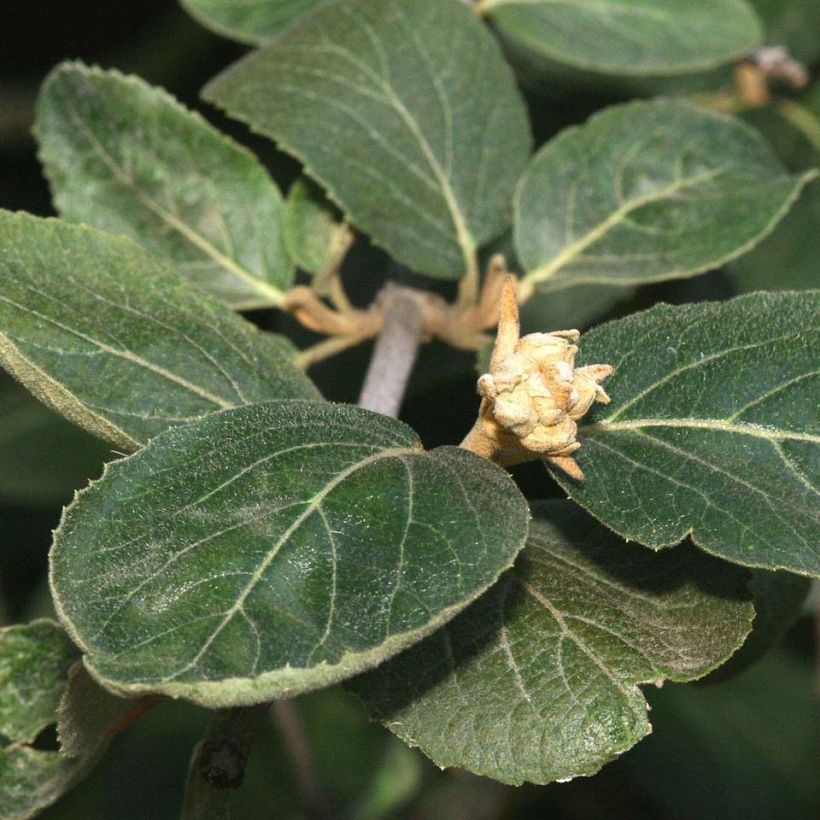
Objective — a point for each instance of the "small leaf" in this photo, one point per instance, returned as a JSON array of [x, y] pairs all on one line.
[[89, 715], [712, 430], [639, 37], [128, 158], [34, 663], [644, 192], [313, 232], [405, 112], [274, 549], [253, 22], [106, 335], [537, 681]]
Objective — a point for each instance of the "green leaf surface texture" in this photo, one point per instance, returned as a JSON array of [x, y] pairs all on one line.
[[311, 226], [647, 191], [34, 663], [712, 430], [630, 37], [105, 334], [250, 22], [538, 680], [34, 659], [274, 549], [405, 112], [128, 158]]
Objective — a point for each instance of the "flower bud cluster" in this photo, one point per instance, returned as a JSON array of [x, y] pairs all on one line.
[[538, 394]]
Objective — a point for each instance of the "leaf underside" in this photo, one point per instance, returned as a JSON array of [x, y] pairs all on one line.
[[106, 335], [254, 22], [647, 191], [712, 429], [636, 37], [129, 159], [428, 133], [276, 548], [537, 681], [34, 663]]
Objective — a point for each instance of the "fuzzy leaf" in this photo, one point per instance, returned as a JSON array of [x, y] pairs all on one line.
[[537, 681], [312, 228], [712, 430], [106, 335], [630, 37], [128, 158], [34, 663], [644, 192], [253, 22], [405, 112], [274, 549]]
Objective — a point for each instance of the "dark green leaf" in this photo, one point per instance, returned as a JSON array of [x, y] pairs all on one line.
[[644, 192], [312, 228], [34, 663], [88, 715], [106, 335], [252, 22], [638, 37], [712, 430], [538, 680], [276, 548], [128, 158], [405, 112]]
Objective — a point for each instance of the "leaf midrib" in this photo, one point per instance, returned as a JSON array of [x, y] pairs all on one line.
[[572, 251], [312, 506], [127, 355], [269, 292], [464, 237], [714, 424]]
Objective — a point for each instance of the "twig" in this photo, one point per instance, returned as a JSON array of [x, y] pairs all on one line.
[[218, 762], [395, 352]]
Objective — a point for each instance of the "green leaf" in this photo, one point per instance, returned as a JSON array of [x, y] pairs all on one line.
[[313, 230], [647, 191], [106, 335], [274, 549], [253, 22], [405, 112], [630, 37], [644, 192], [712, 430], [34, 663], [128, 158], [537, 681], [88, 715]]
